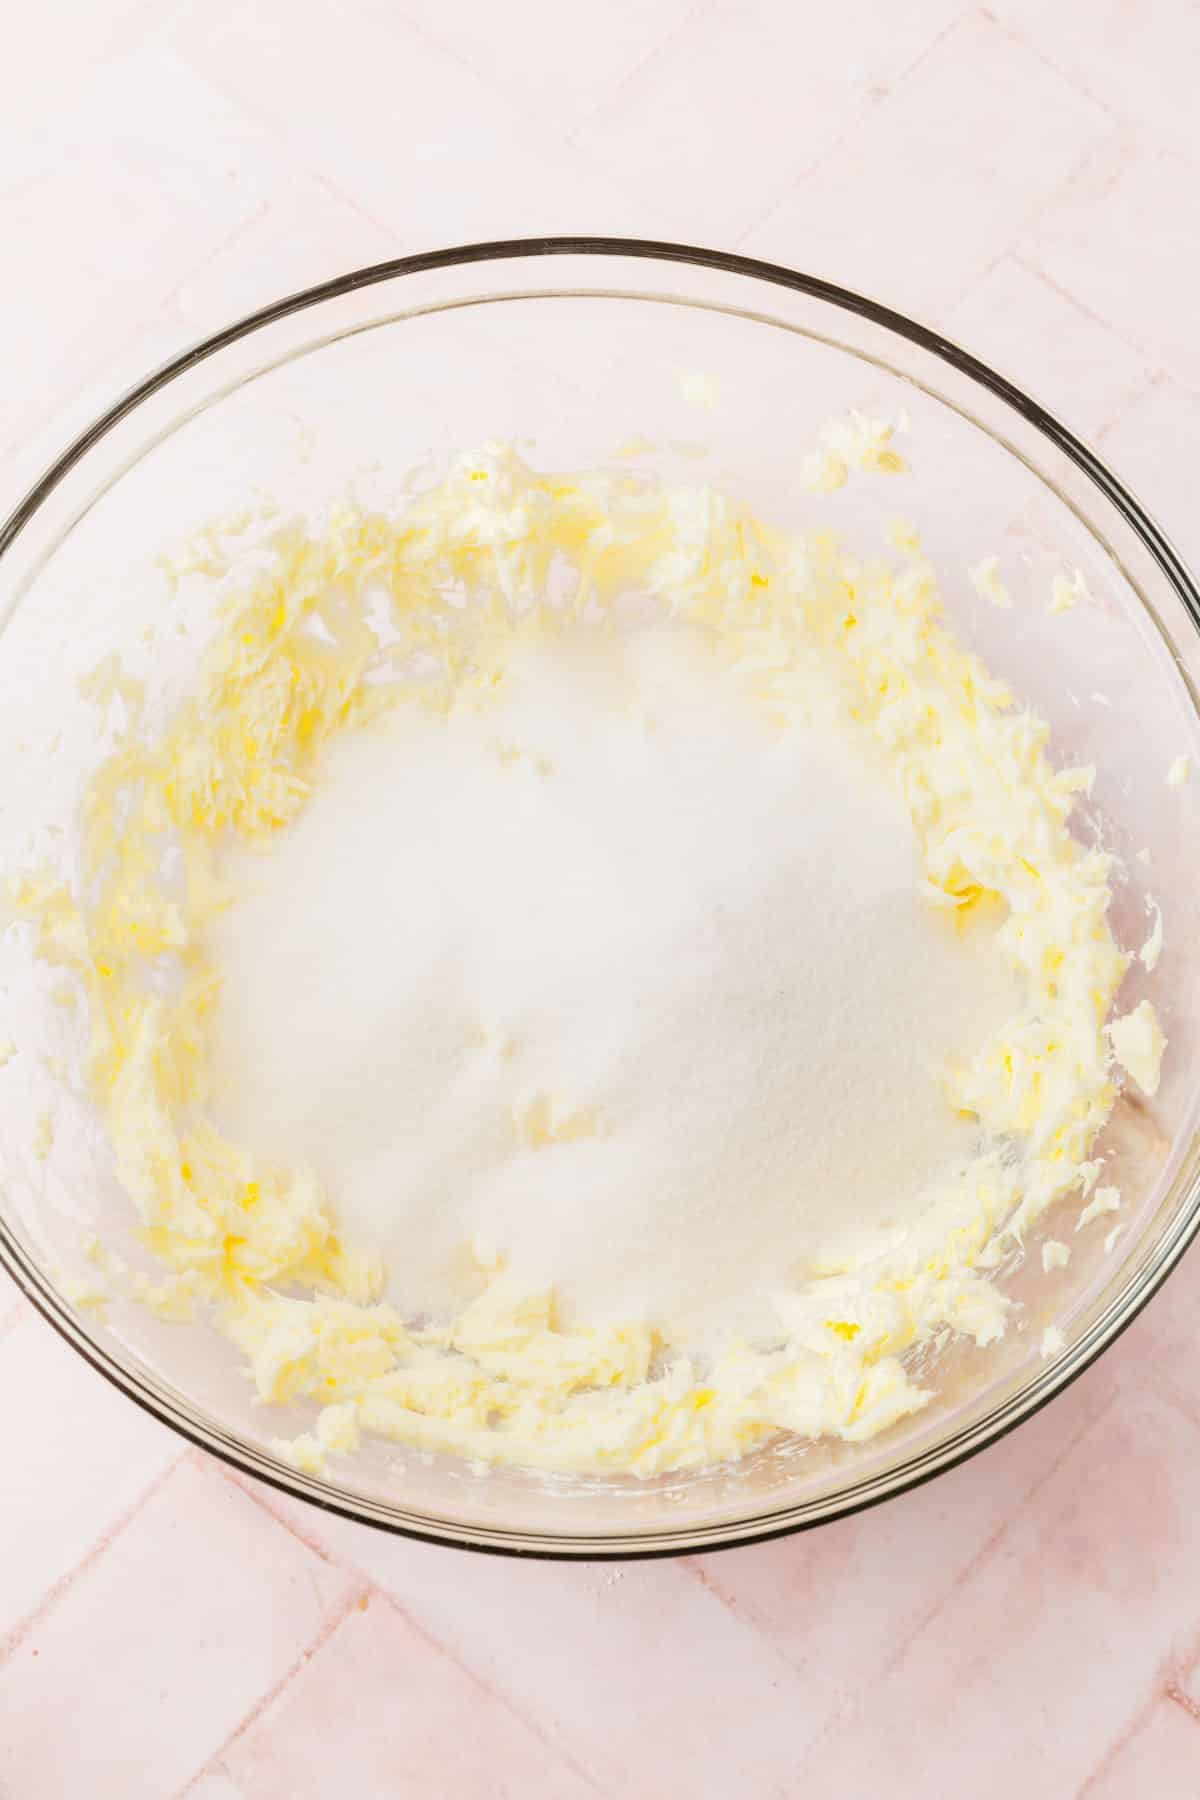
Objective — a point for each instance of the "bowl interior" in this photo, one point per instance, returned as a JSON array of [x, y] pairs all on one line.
[[716, 375]]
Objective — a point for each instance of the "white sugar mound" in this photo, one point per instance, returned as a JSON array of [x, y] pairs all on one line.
[[611, 978]]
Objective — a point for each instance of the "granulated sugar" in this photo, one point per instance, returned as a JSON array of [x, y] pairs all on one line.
[[610, 978]]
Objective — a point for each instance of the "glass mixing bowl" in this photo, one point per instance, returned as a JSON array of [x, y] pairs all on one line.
[[572, 346]]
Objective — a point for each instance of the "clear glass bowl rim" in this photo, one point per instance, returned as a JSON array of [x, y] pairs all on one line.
[[156, 1399]]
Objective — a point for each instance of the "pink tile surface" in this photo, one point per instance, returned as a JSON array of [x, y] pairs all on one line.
[[147, 1701], [571, 1663], [378, 1707], [12, 1305], [1154, 445], [1138, 57], [474, 163], [1184, 1689], [1020, 323], [557, 62], [1111, 1531], [97, 249], [1025, 176], [1159, 1757], [749, 77], [81, 1457], [911, 170], [1091, 241], [908, 1558]]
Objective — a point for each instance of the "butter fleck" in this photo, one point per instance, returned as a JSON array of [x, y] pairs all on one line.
[[109, 680], [86, 1296], [1105, 1200], [1138, 1043], [1067, 591], [985, 579], [1151, 950], [904, 537], [700, 390]]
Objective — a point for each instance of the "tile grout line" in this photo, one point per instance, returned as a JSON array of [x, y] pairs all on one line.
[[292, 157], [870, 102], [655, 53], [55, 423], [295, 157], [292, 164], [555, 127], [997, 1536], [1016, 36], [168, 301], [1028, 221], [337, 1617], [1164, 1686], [744, 1617], [356, 206], [1117, 136], [372, 1587], [1183, 1404], [13, 1639], [1037, 273], [1116, 124], [1133, 1724], [1180, 1697], [609, 108], [432, 42], [975, 1562], [514, 1712], [1123, 411], [1154, 379], [1080, 83], [246, 1485], [161, 304], [923, 55], [252, 1491]]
